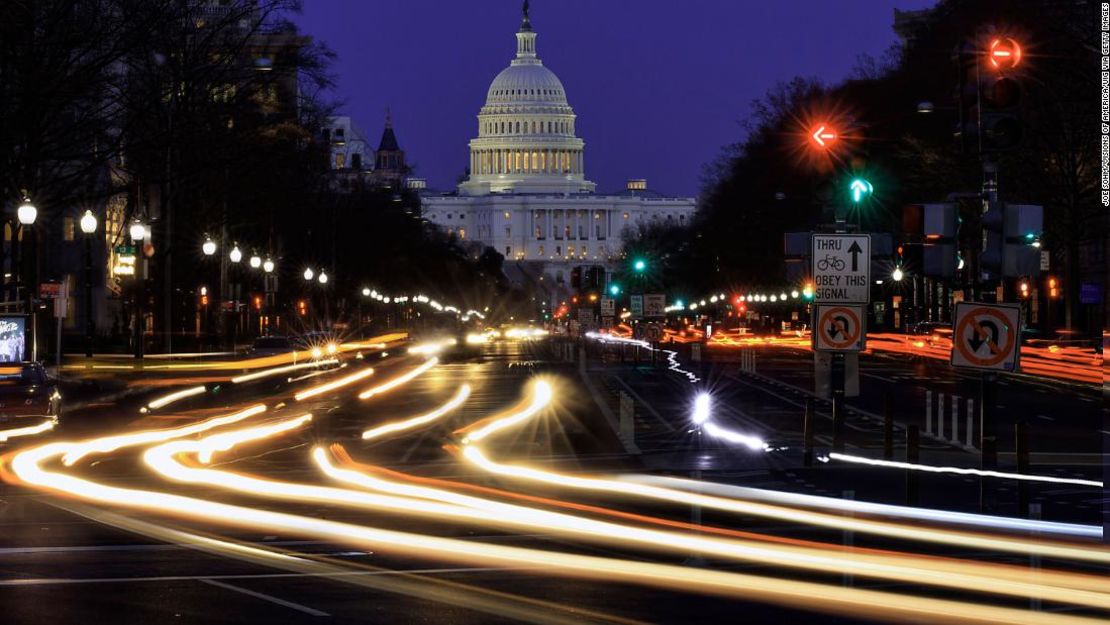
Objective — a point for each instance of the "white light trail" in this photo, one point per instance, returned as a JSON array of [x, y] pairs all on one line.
[[225, 441], [258, 375], [399, 426], [30, 430], [76, 451], [541, 397], [893, 464], [879, 509], [399, 380], [334, 384], [166, 400]]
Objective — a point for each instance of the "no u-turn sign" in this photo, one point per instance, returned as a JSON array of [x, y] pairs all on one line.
[[838, 328], [986, 336]]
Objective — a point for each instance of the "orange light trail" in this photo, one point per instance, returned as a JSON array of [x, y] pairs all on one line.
[[404, 378]]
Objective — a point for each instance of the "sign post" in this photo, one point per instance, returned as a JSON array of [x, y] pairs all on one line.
[[987, 337], [841, 275]]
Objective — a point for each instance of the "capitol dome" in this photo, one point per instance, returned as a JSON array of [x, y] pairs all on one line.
[[526, 141], [534, 84]]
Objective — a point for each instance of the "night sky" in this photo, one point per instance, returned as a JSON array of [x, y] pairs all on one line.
[[659, 86]]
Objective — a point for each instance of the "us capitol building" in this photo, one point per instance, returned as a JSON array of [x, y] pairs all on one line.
[[527, 195]]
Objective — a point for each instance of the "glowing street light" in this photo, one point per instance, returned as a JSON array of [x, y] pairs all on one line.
[[235, 255], [268, 266], [137, 231], [88, 222], [209, 246], [255, 261], [323, 278], [366, 292], [309, 274], [27, 213], [897, 274]]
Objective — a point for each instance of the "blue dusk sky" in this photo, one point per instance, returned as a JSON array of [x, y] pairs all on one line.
[[659, 86]]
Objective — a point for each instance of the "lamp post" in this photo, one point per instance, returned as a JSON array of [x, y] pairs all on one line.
[[323, 280], [88, 226], [27, 213], [138, 233]]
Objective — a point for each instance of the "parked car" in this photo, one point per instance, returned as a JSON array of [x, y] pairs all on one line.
[[26, 392]]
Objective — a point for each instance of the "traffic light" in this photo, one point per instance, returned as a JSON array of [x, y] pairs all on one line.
[[204, 297], [860, 189], [931, 231], [1023, 289], [823, 136], [614, 289], [1053, 288], [302, 307], [639, 265], [257, 299], [1010, 232], [1000, 125]]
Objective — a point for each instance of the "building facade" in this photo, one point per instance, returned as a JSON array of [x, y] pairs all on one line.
[[527, 195]]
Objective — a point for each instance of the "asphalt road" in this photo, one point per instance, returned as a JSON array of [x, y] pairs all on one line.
[[63, 559]]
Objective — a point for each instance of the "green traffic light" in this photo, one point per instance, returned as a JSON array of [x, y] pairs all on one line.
[[860, 189], [640, 265], [614, 289]]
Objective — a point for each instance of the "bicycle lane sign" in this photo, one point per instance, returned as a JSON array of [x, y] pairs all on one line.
[[842, 268]]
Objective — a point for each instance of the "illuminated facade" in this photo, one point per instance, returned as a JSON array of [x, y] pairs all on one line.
[[527, 195]]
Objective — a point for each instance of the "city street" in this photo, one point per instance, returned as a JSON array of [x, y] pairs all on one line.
[[72, 549]]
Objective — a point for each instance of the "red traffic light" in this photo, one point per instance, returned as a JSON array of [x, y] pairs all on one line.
[[1004, 53], [823, 136]]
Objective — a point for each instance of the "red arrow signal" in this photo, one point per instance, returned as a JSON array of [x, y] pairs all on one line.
[[823, 136]]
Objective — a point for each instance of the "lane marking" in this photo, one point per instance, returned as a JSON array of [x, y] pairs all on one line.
[[263, 596]]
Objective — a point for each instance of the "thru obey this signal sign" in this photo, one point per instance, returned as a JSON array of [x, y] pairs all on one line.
[[986, 336], [839, 328]]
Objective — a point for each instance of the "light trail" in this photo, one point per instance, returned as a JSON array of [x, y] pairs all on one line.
[[672, 356], [337, 384], [107, 444], [432, 347], [880, 509], [29, 430], [893, 464], [166, 400], [227, 440], [850, 601], [258, 375], [399, 426], [701, 418], [541, 397], [404, 378], [476, 456], [438, 504]]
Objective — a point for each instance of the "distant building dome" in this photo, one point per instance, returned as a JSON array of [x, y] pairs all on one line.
[[526, 141]]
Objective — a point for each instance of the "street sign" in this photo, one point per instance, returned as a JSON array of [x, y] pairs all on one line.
[[50, 290], [636, 306], [608, 307], [655, 305], [842, 268], [125, 250], [986, 336], [839, 328], [653, 332]]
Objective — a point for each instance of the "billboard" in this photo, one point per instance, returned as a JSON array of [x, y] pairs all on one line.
[[12, 338]]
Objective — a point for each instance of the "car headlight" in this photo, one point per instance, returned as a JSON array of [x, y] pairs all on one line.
[[317, 352], [332, 348]]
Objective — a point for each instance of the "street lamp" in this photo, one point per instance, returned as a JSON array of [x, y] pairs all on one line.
[[138, 231], [268, 266], [88, 226], [27, 213], [897, 274], [323, 277], [308, 274], [235, 255], [209, 246], [366, 292], [255, 261]]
